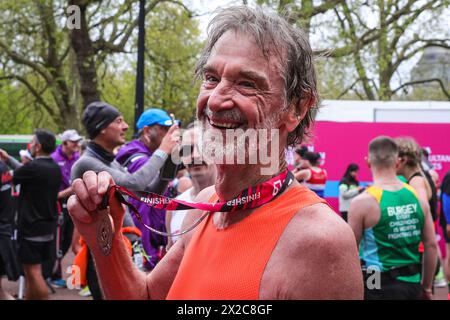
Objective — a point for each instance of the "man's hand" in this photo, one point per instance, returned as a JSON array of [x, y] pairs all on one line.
[[4, 156], [170, 140], [82, 206], [427, 294]]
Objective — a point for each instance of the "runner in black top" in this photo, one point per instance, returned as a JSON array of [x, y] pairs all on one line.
[[39, 184]]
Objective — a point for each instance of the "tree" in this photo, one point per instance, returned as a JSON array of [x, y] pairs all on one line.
[[34, 50], [58, 67], [172, 48], [405, 28], [379, 36]]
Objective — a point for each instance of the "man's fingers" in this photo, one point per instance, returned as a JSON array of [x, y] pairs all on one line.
[[77, 211], [172, 128], [82, 193], [90, 180], [104, 180]]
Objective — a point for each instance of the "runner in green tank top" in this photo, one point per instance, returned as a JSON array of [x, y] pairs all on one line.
[[393, 242], [389, 222]]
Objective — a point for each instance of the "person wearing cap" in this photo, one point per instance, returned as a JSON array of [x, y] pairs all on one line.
[[65, 156], [152, 126], [106, 129]]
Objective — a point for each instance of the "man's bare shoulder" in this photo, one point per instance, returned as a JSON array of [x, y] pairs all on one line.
[[322, 247], [318, 225], [363, 202]]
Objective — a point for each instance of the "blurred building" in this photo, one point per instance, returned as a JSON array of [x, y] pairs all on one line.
[[434, 63]]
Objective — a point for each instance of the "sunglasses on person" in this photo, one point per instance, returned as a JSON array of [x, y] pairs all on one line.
[[187, 150]]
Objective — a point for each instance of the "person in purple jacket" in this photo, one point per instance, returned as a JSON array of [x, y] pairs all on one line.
[[65, 156], [152, 126]]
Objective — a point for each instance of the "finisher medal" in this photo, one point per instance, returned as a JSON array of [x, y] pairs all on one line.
[[105, 232]]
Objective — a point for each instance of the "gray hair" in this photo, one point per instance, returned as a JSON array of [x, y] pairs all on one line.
[[274, 36]]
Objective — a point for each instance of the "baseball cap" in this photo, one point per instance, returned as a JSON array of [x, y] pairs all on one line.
[[154, 116], [70, 135]]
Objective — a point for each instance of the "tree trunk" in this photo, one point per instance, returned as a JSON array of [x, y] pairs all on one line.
[[85, 56]]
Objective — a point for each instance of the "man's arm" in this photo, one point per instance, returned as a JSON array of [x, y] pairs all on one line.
[[119, 278], [65, 193], [360, 207], [168, 229], [303, 174], [323, 250], [430, 250], [10, 161], [419, 184]]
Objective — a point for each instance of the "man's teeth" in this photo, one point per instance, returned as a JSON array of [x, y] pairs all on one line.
[[226, 125]]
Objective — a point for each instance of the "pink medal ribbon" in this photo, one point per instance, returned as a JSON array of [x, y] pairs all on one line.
[[250, 198]]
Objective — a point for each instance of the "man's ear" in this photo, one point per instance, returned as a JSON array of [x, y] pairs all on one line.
[[297, 111]]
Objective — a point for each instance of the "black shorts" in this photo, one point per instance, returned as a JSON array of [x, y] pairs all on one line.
[[34, 252], [392, 289]]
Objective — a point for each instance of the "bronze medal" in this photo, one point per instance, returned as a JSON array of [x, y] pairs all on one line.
[[105, 232]]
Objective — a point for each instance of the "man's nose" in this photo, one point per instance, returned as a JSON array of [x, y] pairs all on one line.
[[125, 126], [221, 98]]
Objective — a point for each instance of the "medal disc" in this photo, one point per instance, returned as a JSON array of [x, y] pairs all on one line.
[[105, 233]]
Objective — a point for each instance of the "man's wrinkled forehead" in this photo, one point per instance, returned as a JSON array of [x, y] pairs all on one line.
[[255, 53]]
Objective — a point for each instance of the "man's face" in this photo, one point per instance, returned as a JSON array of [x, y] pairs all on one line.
[[72, 146], [156, 133], [114, 133], [34, 146], [191, 155], [241, 89]]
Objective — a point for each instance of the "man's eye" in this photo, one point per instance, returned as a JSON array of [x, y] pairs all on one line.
[[210, 79], [247, 84]]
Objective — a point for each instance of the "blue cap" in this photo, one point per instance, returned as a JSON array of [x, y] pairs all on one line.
[[154, 116]]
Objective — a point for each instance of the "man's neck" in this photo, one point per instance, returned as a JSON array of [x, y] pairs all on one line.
[[409, 171], [386, 178], [200, 183], [42, 155], [104, 145], [232, 179]]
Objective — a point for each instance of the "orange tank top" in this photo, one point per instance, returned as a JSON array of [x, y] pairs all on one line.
[[228, 264]]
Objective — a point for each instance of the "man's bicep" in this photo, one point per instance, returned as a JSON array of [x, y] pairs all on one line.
[[356, 218], [334, 267], [428, 235]]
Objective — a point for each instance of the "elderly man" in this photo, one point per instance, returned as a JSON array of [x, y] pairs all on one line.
[[257, 73]]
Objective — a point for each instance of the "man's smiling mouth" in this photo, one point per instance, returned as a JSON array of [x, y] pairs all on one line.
[[224, 124]]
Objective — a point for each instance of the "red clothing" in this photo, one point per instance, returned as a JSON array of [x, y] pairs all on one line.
[[317, 177], [229, 263]]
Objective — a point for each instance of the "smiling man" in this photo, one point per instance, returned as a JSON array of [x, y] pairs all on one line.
[[257, 74]]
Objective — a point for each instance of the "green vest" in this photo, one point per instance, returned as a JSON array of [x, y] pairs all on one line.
[[394, 240]]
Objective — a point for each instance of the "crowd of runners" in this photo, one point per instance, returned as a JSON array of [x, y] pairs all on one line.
[[143, 225]]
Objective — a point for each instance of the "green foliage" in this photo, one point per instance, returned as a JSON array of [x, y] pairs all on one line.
[[172, 48]]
